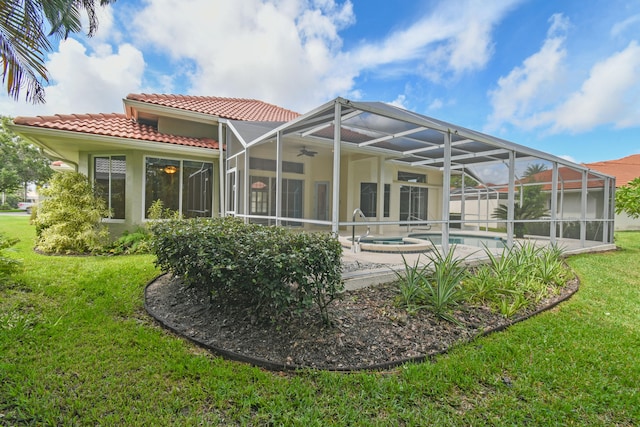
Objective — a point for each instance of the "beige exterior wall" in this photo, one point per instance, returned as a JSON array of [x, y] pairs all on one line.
[[625, 223], [188, 128], [355, 169], [135, 183]]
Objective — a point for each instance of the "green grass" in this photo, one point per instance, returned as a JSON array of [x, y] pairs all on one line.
[[76, 348]]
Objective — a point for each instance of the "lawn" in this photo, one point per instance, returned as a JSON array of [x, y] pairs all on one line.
[[77, 348]]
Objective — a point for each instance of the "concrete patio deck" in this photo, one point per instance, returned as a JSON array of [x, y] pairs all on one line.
[[378, 267]]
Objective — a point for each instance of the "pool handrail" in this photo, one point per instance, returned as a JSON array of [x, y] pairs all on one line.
[[355, 244], [413, 217]]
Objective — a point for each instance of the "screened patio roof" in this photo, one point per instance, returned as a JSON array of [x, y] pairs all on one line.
[[402, 136]]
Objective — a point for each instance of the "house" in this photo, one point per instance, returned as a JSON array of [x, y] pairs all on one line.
[[162, 147], [624, 170], [343, 167]]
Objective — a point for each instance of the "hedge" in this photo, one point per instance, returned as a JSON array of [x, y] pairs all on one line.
[[276, 270]]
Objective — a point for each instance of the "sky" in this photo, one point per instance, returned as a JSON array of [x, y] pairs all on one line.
[[559, 76]]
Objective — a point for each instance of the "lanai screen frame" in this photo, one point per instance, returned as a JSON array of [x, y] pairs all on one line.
[[412, 139]]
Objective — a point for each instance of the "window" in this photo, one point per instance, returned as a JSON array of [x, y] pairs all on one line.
[[263, 197], [259, 195], [292, 199], [109, 174], [412, 177], [183, 186], [413, 203], [270, 165], [387, 200], [369, 198], [197, 189]]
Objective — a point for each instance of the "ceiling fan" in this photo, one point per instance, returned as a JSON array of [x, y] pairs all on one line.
[[305, 152]]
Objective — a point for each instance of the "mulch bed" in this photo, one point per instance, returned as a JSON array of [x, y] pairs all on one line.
[[369, 331]]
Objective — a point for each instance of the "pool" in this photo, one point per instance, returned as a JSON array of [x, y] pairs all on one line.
[[491, 242]]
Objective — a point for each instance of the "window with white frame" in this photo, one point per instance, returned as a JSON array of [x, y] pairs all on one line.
[[184, 186], [263, 197], [109, 176]]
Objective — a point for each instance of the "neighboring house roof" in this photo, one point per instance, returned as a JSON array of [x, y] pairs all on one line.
[[228, 108], [624, 169], [568, 179], [115, 125]]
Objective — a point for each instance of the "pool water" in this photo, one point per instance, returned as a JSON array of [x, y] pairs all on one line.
[[458, 239], [386, 241]]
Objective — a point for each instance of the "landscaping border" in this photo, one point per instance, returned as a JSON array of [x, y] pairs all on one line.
[[283, 367]]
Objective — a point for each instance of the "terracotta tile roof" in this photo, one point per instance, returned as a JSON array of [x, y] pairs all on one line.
[[116, 125], [228, 108], [624, 169], [568, 179]]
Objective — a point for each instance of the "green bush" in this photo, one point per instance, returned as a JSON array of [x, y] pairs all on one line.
[[139, 241], [273, 269], [8, 266], [436, 285], [136, 242], [69, 219], [517, 278]]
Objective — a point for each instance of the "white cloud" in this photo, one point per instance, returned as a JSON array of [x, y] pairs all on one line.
[[534, 83], [533, 96], [611, 95], [92, 82], [400, 101], [291, 53], [454, 38], [86, 79], [288, 52], [436, 104], [620, 27], [569, 158], [282, 52]]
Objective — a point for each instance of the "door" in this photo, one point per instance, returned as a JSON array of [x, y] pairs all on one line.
[[413, 203]]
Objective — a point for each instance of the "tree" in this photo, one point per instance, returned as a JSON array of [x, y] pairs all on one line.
[[9, 182], [69, 219], [533, 201], [628, 198], [24, 42], [534, 169], [456, 181], [21, 163]]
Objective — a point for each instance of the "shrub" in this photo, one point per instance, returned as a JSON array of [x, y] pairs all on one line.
[[436, 285], [136, 242], [139, 241], [274, 269], [518, 277], [8, 266], [69, 219]]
